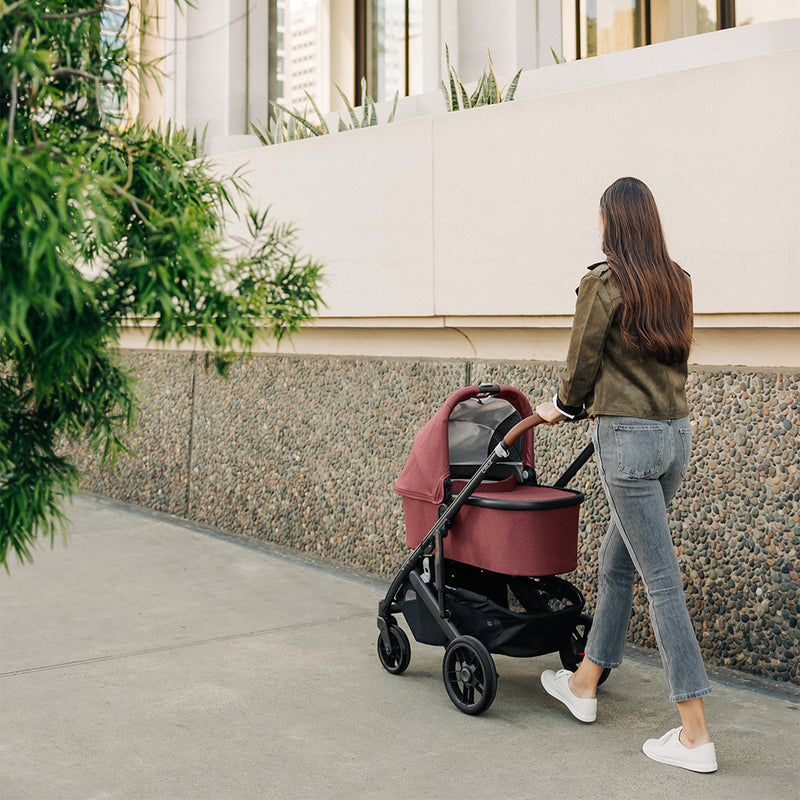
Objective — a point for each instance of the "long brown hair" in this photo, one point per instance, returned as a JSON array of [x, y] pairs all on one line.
[[656, 293]]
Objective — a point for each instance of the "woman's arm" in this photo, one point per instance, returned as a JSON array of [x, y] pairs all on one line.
[[590, 327]]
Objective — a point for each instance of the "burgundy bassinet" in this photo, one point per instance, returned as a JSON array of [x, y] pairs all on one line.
[[509, 525]]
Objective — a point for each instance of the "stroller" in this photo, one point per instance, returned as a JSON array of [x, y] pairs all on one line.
[[488, 545]]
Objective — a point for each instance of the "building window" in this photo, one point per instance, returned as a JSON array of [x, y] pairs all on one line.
[[388, 48], [302, 57], [297, 53], [113, 33], [605, 26], [702, 16], [751, 12], [597, 27]]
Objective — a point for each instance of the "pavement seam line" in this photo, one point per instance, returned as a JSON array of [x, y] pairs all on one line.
[[182, 645]]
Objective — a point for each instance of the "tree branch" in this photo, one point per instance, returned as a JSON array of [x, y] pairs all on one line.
[[77, 14], [68, 15], [134, 203], [13, 7], [14, 90], [66, 72]]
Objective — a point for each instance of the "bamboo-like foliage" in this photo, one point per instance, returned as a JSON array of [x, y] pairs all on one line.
[[101, 227], [288, 125], [486, 92]]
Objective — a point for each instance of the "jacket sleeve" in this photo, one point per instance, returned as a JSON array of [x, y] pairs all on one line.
[[590, 328]]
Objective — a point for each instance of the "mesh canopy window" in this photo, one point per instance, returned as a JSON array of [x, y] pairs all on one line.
[[475, 428]]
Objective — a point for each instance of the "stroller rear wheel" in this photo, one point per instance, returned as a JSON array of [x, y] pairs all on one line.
[[469, 675], [573, 652], [397, 658]]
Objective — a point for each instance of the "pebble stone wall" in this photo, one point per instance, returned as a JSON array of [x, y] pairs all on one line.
[[303, 452]]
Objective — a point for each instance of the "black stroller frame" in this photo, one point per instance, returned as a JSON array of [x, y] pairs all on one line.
[[466, 609]]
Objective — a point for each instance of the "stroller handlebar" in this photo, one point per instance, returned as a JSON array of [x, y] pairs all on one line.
[[526, 424], [531, 422]]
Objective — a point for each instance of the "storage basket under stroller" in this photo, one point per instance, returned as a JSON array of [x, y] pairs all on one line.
[[488, 544]]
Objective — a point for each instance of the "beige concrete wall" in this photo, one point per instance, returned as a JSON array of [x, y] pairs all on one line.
[[464, 235]]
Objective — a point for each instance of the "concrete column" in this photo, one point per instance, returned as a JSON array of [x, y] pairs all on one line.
[[175, 59], [519, 34], [153, 50], [207, 73], [324, 54], [238, 41], [432, 47], [224, 69], [548, 32], [257, 63], [484, 27]]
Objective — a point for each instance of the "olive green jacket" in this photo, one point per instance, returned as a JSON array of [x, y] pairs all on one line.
[[605, 377]]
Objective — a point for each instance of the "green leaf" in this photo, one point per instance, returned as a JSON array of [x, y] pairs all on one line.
[[447, 97], [365, 103], [314, 129], [394, 107], [263, 135], [492, 89], [322, 124], [451, 98], [512, 88], [351, 111], [476, 99]]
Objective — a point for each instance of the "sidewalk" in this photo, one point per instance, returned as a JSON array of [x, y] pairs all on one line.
[[153, 661]]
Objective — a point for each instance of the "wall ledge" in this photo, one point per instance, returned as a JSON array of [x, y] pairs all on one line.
[[748, 340]]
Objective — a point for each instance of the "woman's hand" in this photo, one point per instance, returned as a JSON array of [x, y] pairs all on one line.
[[549, 413]]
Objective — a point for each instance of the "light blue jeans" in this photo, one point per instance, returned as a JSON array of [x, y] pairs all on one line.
[[641, 464]]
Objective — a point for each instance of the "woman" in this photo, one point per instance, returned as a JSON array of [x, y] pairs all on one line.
[[627, 367]]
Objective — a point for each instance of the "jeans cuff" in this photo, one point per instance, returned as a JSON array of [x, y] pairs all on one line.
[[681, 698], [604, 664]]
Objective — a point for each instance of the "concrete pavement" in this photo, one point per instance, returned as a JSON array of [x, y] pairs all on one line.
[[156, 661]]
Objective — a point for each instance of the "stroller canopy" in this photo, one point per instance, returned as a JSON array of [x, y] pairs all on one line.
[[443, 441]]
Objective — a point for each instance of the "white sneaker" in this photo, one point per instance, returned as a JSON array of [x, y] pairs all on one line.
[[556, 685], [669, 750]]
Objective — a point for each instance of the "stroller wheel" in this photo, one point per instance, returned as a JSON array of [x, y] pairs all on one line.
[[397, 658], [572, 653], [469, 675]]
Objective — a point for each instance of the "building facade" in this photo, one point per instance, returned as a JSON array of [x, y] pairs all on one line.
[[225, 61]]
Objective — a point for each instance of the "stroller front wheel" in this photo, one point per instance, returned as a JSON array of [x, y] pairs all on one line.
[[469, 675], [397, 658]]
